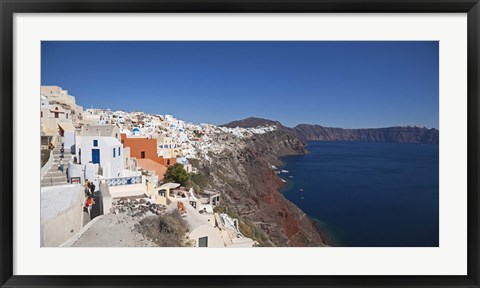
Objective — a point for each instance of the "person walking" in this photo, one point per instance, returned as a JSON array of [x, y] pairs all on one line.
[[92, 188], [88, 204], [60, 165], [87, 187]]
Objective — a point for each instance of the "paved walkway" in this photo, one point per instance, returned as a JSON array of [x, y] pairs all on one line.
[[113, 230]]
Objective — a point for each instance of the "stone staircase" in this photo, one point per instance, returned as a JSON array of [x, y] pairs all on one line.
[[55, 176]]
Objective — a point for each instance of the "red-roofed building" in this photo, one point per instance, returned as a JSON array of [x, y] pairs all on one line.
[[144, 148]]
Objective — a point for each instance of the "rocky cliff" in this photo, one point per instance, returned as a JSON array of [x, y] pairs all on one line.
[[242, 171], [391, 134], [307, 132]]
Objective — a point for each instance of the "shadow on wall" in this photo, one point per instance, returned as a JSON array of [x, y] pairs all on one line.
[[97, 208]]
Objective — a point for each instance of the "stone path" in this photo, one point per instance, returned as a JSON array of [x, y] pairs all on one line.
[[55, 176], [113, 230]]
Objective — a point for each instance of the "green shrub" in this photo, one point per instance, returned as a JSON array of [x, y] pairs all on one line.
[[177, 174], [250, 230]]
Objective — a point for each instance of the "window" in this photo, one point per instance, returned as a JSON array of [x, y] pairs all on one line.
[[142, 154], [66, 115], [118, 151], [113, 152], [41, 114], [203, 241], [56, 114], [95, 143]]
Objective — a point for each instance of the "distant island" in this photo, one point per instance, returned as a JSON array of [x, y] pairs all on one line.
[[308, 132]]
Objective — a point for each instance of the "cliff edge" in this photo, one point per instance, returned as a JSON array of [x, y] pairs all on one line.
[[399, 134], [243, 172]]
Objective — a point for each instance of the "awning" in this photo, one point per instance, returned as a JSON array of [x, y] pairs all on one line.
[[67, 126], [169, 186]]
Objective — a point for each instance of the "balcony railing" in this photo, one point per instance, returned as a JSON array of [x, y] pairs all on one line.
[[124, 181]]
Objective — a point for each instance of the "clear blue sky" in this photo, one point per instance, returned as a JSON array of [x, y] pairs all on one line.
[[335, 84]]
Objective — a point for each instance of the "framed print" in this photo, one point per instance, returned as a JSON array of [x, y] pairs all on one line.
[[299, 144]]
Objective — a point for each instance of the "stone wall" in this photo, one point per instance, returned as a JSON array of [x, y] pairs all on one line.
[[59, 228], [106, 197], [47, 166]]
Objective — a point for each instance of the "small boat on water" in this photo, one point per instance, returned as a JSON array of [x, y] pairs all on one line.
[[301, 190], [290, 177], [284, 171], [284, 181], [302, 197]]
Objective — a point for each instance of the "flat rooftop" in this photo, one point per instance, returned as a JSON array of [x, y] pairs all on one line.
[[192, 218], [127, 190]]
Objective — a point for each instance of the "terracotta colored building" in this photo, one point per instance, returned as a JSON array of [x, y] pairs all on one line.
[[148, 164], [144, 148]]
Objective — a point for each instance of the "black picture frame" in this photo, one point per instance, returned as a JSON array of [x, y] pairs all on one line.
[[9, 7]]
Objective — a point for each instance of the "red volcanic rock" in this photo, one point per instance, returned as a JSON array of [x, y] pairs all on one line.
[[250, 187]]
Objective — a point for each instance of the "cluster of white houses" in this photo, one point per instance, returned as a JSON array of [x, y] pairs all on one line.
[[125, 155]]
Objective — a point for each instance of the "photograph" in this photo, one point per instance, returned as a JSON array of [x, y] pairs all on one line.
[[239, 144], [303, 135]]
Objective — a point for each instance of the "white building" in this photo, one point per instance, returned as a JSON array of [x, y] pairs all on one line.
[[56, 94], [167, 147], [201, 227], [68, 131], [96, 116], [78, 173], [56, 120], [102, 150], [101, 130]]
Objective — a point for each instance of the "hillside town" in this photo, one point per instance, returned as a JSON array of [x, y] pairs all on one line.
[[103, 165]]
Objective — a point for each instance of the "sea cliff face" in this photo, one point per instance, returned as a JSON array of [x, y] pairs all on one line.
[[390, 134], [242, 171], [307, 132]]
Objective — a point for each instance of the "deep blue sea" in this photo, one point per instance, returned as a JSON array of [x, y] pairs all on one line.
[[368, 194]]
